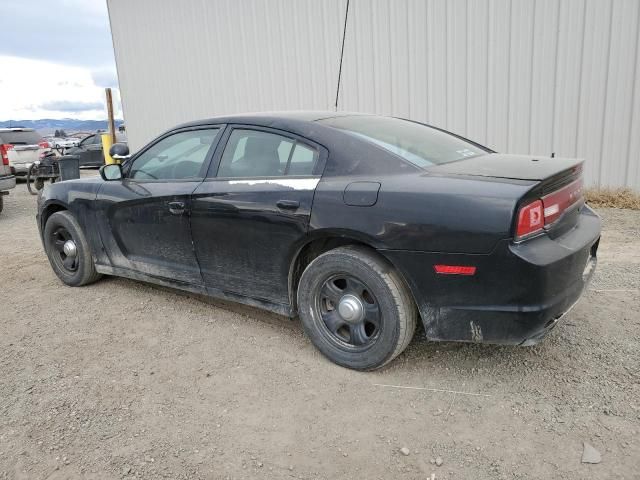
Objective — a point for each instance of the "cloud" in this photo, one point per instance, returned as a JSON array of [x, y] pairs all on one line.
[[67, 83], [55, 54], [27, 94], [72, 32], [70, 106], [105, 77]]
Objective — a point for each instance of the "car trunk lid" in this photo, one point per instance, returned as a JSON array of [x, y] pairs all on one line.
[[24, 153], [553, 202]]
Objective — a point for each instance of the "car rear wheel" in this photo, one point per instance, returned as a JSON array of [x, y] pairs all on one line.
[[355, 308], [68, 250]]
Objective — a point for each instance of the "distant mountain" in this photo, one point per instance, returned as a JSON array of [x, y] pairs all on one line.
[[69, 125]]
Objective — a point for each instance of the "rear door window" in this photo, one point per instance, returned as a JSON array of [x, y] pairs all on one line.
[[256, 153], [303, 159], [20, 137]]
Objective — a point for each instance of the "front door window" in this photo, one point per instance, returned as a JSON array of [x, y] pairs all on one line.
[[180, 156]]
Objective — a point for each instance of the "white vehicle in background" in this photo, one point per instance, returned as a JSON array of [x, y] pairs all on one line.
[[21, 147], [62, 143], [7, 179]]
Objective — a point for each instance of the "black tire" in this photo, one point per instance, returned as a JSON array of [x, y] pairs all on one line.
[[76, 270], [1, 203], [30, 178], [337, 274]]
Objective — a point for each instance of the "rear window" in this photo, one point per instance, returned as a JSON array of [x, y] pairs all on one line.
[[29, 137], [418, 144]]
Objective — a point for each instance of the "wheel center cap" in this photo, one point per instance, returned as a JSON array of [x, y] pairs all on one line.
[[69, 248], [351, 309]]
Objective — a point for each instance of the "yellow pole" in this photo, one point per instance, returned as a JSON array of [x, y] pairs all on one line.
[[112, 124], [106, 145], [109, 138]]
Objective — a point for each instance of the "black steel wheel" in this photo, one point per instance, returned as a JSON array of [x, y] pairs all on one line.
[[66, 256], [349, 311], [68, 250], [355, 308]]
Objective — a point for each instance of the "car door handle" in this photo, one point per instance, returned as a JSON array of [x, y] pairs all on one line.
[[176, 208], [288, 204]]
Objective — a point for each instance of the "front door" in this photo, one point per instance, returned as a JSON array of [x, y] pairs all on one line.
[[89, 151], [94, 150], [144, 220], [249, 219]]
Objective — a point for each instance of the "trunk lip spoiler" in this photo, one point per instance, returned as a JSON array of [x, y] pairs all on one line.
[[508, 167], [543, 188]]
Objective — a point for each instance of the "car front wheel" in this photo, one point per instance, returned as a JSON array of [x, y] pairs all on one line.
[[68, 250], [355, 308]]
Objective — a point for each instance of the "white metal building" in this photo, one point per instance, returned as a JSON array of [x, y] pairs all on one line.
[[523, 76]]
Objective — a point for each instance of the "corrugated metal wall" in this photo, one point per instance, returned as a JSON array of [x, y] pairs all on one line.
[[523, 76]]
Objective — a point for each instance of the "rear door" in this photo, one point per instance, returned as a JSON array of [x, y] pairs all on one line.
[[251, 213], [144, 218]]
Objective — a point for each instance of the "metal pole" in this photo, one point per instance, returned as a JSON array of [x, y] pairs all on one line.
[[344, 35], [112, 124]]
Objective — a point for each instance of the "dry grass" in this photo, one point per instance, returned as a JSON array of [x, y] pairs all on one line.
[[615, 198]]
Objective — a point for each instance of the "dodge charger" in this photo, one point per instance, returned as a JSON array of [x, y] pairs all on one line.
[[359, 225]]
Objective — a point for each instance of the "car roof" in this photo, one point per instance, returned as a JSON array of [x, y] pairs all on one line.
[[17, 129], [268, 118]]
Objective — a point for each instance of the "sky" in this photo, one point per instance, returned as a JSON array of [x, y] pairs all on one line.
[[56, 58]]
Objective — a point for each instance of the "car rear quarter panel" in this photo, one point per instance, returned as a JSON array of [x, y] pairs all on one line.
[[422, 212], [420, 220]]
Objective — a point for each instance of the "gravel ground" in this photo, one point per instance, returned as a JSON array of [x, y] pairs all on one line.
[[125, 380]]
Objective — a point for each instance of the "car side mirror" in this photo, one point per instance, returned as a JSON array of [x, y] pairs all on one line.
[[112, 171], [119, 151]]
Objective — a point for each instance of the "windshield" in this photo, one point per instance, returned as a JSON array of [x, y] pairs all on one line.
[[20, 137], [418, 144]]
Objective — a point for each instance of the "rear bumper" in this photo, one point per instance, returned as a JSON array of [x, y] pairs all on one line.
[[7, 182], [525, 324], [20, 169], [518, 294]]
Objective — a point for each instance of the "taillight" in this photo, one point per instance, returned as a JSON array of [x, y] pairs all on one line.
[[530, 219], [557, 202], [534, 216], [43, 144], [4, 149]]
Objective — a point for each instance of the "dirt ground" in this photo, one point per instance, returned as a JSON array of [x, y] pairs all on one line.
[[123, 380]]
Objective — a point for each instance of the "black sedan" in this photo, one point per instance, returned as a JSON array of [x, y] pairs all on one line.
[[358, 224], [89, 151]]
